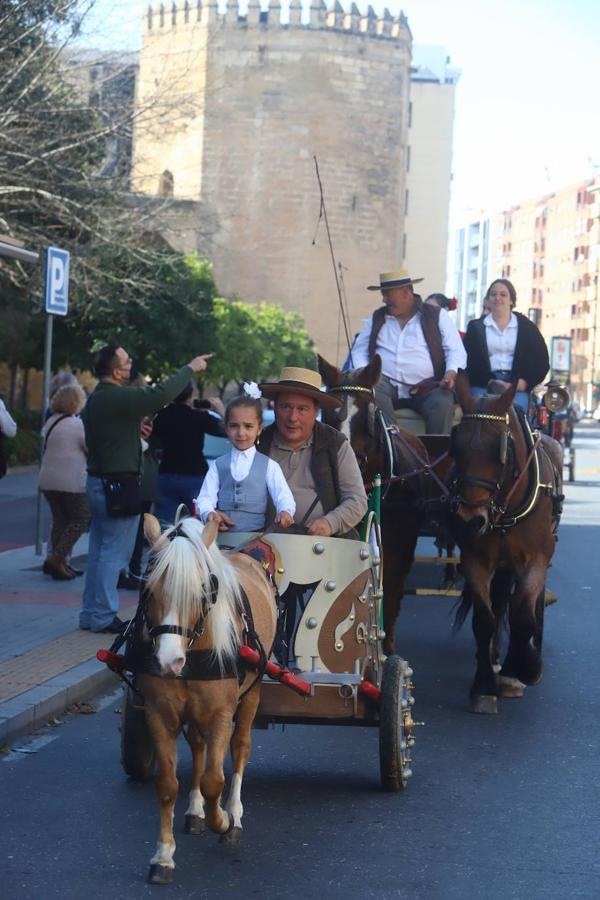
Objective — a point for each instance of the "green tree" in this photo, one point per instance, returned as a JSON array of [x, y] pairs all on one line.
[[63, 181], [253, 344]]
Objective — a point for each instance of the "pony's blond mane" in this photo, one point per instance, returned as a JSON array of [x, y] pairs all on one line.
[[181, 574]]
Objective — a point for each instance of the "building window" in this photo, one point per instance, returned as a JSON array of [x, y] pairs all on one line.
[[406, 202], [404, 240], [410, 115], [408, 159]]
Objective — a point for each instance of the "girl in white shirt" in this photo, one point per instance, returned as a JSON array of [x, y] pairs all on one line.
[[238, 485]]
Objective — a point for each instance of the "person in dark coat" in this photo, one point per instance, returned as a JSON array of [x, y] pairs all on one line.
[[505, 346], [179, 429]]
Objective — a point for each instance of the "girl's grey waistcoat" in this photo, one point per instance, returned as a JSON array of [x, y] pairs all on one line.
[[244, 501]]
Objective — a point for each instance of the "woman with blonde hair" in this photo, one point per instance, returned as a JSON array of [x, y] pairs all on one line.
[[63, 477]]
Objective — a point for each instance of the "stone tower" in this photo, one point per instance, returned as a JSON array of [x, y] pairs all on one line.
[[231, 112]]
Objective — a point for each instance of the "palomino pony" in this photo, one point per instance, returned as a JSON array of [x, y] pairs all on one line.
[[398, 457], [198, 600], [506, 500]]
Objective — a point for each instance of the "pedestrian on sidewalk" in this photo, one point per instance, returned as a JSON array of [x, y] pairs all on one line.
[[62, 479], [130, 578], [179, 429], [8, 428], [112, 418]]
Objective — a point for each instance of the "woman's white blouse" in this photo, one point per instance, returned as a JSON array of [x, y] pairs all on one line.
[[501, 343], [241, 462]]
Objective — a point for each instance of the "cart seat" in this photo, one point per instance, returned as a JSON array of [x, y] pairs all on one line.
[[411, 421]]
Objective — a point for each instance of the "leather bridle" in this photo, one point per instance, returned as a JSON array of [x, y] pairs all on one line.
[[208, 600], [493, 486]]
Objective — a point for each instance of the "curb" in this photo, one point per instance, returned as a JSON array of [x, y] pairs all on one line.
[[34, 708]]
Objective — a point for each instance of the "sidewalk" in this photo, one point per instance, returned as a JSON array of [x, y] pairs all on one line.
[[46, 662]]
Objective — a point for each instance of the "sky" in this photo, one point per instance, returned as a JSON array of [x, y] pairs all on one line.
[[526, 119]]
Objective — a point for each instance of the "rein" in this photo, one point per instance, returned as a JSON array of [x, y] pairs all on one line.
[[426, 466]]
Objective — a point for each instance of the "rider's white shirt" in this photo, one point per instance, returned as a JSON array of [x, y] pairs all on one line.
[[501, 343], [241, 462], [404, 352]]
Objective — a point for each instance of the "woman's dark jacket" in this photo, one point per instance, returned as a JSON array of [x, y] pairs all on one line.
[[179, 429], [530, 361]]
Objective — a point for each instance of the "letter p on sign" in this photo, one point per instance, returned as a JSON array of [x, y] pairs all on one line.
[[56, 288]]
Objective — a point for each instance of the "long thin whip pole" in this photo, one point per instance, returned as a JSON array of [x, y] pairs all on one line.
[[323, 212]]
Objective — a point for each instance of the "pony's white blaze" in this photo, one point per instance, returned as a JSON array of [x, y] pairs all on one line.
[[234, 800], [171, 647], [351, 409]]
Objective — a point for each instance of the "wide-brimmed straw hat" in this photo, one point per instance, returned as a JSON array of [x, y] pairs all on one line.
[[389, 280], [294, 380]]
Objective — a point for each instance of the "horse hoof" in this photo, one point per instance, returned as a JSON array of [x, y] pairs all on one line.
[[232, 837], [194, 824], [510, 687], [487, 704], [160, 874]]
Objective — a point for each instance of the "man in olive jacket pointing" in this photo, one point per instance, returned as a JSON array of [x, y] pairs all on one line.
[[112, 419]]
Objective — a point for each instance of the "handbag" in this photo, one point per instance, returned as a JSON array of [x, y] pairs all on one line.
[[123, 495]]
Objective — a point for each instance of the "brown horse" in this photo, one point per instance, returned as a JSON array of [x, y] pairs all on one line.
[[506, 498], [394, 454], [195, 602]]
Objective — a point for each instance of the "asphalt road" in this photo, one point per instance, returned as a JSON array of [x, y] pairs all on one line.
[[502, 807]]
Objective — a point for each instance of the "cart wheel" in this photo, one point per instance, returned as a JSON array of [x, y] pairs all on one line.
[[137, 747], [571, 465], [395, 724]]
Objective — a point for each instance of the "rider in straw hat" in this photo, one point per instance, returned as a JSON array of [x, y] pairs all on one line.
[[317, 461], [420, 349]]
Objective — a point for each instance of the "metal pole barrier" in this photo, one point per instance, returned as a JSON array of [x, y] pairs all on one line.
[[39, 523]]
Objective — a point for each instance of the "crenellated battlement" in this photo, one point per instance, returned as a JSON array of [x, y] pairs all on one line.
[[167, 16]]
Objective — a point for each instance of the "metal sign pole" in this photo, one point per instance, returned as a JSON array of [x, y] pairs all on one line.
[[39, 523]]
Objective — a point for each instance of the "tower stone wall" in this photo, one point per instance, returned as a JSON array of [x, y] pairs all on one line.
[[240, 106]]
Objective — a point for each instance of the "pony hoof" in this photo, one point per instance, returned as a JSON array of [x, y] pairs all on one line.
[[194, 824], [232, 837], [160, 874], [510, 687], [487, 704]]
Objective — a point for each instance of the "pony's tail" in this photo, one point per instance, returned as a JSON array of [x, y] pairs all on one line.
[[461, 610]]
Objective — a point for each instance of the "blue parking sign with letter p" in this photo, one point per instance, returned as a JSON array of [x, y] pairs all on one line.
[[56, 287]]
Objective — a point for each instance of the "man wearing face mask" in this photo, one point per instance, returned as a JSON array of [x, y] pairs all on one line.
[[420, 349], [112, 419]]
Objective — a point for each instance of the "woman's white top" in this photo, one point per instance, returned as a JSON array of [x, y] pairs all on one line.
[[64, 461], [241, 462], [501, 343]]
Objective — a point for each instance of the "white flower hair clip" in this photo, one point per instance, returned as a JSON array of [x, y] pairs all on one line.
[[251, 389]]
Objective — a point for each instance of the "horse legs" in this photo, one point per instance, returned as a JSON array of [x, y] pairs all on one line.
[[524, 659], [167, 786], [194, 815], [241, 743], [484, 689], [212, 781], [398, 556], [501, 591]]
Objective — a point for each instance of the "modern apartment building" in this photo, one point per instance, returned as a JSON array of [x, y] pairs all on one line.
[[549, 247], [473, 266]]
